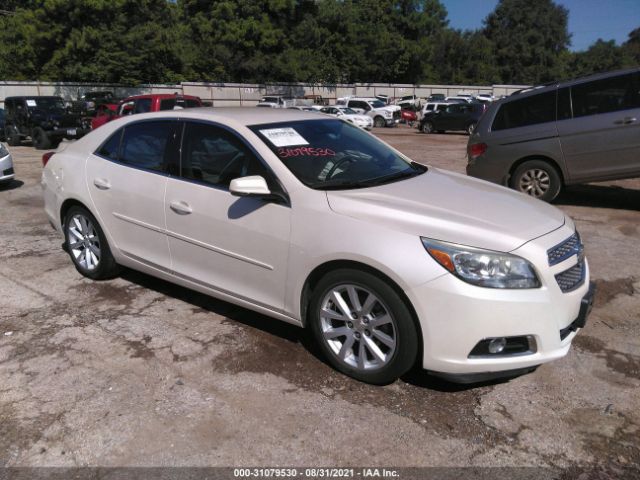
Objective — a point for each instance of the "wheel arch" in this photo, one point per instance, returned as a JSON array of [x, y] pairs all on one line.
[[318, 272], [543, 158]]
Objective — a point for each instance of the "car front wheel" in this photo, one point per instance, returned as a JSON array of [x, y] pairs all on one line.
[[537, 178], [427, 127], [363, 327], [87, 245], [379, 122], [40, 139]]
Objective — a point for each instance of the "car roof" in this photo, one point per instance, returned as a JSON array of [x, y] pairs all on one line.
[[161, 96]]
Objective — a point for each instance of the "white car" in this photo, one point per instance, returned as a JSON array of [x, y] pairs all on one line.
[[346, 113], [382, 114], [485, 97], [6, 166], [312, 221]]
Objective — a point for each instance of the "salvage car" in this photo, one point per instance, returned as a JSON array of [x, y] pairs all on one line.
[[314, 222], [46, 120], [542, 139], [346, 113]]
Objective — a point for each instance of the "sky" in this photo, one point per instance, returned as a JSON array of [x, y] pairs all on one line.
[[588, 19]]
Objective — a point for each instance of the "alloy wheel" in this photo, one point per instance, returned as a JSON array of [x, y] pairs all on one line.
[[83, 242], [358, 327], [535, 182]]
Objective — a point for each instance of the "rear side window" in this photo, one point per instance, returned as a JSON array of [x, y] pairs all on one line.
[[144, 144], [143, 105], [531, 110], [111, 147], [607, 95]]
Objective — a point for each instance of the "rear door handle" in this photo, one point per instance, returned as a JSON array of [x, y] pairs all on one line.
[[102, 183], [180, 207], [626, 121]]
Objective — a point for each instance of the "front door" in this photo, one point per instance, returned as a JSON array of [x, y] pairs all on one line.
[[236, 245]]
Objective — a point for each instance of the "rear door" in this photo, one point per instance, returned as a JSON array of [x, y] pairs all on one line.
[[602, 139], [127, 180]]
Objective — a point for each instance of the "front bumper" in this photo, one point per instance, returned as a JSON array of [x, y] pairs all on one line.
[[455, 316], [6, 169]]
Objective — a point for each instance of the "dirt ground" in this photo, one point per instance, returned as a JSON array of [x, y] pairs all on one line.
[[139, 372]]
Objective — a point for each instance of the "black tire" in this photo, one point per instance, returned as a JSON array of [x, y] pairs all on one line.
[[537, 178], [426, 127], [401, 327], [12, 136], [470, 128], [40, 139], [106, 266], [379, 122], [55, 142]]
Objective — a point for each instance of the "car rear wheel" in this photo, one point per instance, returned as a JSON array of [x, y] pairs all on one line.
[[363, 327], [87, 245], [427, 127], [379, 122], [537, 178], [40, 139]]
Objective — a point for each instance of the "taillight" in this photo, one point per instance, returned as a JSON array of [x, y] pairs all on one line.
[[477, 149], [46, 157]]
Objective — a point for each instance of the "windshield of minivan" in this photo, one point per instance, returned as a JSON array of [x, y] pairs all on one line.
[[331, 154]]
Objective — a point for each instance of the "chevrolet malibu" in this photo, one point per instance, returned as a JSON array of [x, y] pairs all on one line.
[[317, 223]]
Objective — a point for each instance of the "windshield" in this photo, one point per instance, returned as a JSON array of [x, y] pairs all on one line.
[[348, 111], [377, 104], [408, 97], [45, 103], [331, 154]]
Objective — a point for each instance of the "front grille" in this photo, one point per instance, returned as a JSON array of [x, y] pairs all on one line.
[[572, 278], [396, 115], [8, 171], [564, 250]]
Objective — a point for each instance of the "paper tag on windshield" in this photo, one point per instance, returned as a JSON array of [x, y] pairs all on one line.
[[31, 103], [284, 137]]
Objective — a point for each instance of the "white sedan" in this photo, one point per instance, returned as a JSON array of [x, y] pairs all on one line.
[[312, 221], [350, 115]]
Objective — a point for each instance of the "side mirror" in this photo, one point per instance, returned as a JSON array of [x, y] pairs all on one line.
[[253, 186]]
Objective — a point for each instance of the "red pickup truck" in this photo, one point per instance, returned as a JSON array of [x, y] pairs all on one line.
[[143, 104]]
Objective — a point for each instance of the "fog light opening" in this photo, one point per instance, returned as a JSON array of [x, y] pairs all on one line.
[[497, 345]]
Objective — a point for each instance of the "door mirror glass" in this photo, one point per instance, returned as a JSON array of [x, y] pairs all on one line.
[[254, 185]]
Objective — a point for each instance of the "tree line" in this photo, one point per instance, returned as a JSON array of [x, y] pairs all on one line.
[[315, 41]]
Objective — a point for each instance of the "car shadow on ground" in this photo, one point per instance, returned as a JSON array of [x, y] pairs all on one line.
[[600, 196], [12, 185], [288, 333]]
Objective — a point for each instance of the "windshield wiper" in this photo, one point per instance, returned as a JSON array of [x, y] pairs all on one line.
[[391, 178], [343, 183]]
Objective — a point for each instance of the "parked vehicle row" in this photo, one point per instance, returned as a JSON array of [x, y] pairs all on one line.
[[310, 220]]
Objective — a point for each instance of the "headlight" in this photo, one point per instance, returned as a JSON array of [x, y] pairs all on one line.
[[387, 114], [484, 268], [3, 151]]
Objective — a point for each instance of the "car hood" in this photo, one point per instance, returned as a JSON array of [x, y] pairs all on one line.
[[451, 207]]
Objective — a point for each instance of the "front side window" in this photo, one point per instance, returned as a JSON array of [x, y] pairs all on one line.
[[331, 154], [214, 156], [144, 144], [531, 110], [607, 95]]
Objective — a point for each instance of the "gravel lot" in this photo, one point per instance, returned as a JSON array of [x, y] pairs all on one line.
[[139, 372]]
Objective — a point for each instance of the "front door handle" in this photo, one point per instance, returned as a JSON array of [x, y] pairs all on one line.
[[102, 183], [626, 121], [180, 207]]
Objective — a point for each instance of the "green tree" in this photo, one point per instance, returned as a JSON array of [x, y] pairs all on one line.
[[632, 47], [601, 56], [530, 40]]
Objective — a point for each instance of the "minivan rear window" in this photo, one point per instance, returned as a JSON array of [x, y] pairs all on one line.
[[530, 110]]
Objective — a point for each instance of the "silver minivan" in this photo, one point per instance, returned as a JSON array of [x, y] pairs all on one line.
[[543, 138]]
